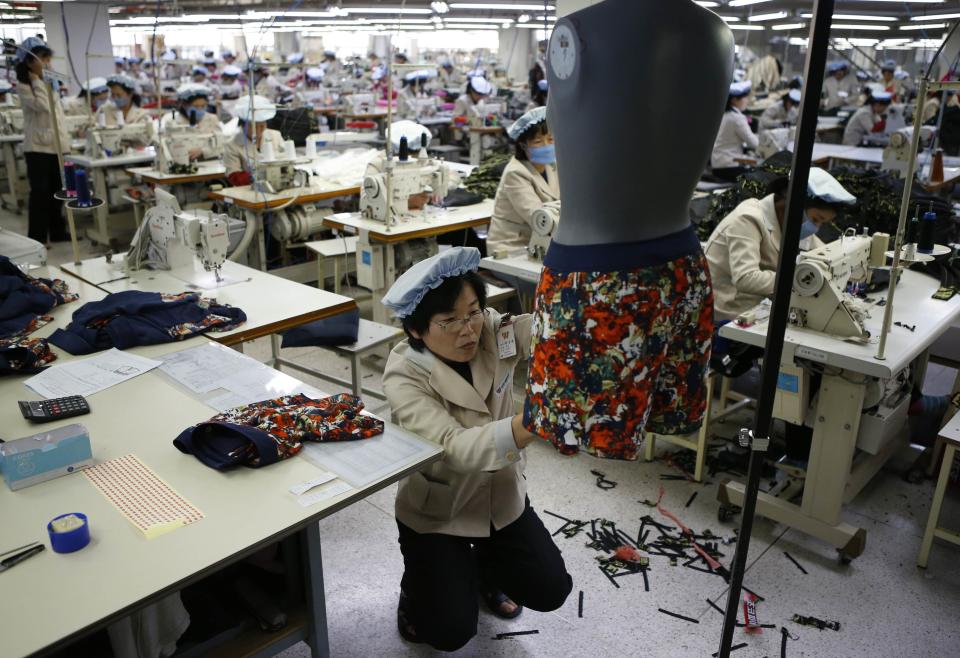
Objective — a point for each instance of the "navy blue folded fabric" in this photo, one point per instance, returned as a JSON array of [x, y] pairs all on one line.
[[132, 318], [339, 330], [23, 298]]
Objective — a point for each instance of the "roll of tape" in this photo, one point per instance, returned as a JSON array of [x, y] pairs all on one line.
[[70, 540]]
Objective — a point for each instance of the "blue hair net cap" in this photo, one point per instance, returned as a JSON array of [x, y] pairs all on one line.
[[95, 86], [188, 92], [199, 69], [863, 75], [823, 186], [795, 95], [881, 97], [888, 65], [27, 47], [409, 290], [740, 89], [314, 73], [124, 81], [543, 85], [231, 70], [833, 67], [227, 53], [531, 118]]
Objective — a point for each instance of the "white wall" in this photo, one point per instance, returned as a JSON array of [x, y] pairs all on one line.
[[81, 20], [565, 7]]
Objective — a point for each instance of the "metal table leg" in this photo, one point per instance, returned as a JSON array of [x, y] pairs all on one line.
[[313, 586]]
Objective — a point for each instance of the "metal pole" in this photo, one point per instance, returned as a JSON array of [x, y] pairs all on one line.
[[796, 196], [904, 211], [55, 120]]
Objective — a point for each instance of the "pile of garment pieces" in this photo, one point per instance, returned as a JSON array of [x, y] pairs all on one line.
[[132, 318], [266, 432], [485, 179], [24, 301]]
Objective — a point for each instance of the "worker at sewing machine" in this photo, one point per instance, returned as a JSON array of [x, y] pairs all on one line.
[[869, 119], [198, 76], [267, 85], [193, 110], [450, 77], [892, 84], [93, 93], [529, 180], [538, 95], [478, 89], [7, 97], [253, 141], [735, 133], [782, 114], [123, 106], [210, 64], [414, 135], [467, 528], [229, 84], [331, 66], [743, 252], [412, 102], [840, 88]]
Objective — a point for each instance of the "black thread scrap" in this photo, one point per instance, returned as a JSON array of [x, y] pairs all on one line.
[[580, 605], [562, 518], [784, 635], [759, 598], [735, 647], [690, 500], [716, 607], [646, 581], [679, 616], [504, 636], [797, 564]]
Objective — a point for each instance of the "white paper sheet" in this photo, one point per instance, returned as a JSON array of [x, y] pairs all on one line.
[[91, 375], [323, 493], [201, 368], [368, 460]]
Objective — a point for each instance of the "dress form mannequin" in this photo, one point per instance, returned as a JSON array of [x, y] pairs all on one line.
[[630, 178]]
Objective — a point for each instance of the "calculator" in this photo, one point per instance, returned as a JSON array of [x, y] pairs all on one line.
[[42, 411]]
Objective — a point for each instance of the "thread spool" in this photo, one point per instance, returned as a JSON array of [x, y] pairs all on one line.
[[311, 148], [69, 178], [83, 188], [290, 149], [927, 227], [266, 151], [879, 246]]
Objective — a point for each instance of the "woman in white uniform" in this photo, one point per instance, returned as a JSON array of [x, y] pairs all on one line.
[[868, 119], [840, 88], [466, 525], [735, 133], [478, 88], [782, 114], [253, 137], [743, 252], [45, 223], [193, 111], [93, 94], [529, 180], [124, 104]]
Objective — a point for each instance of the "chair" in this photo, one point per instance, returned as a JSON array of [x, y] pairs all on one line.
[[951, 439]]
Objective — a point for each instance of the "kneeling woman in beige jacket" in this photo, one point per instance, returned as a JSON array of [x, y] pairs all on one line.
[[466, 525]]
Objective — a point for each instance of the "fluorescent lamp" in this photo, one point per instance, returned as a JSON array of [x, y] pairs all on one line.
[[746, 27], [470, 26], [856, 26], [385, 10], [540, 19], [498, 19], [706, 3], [440, 7], [500, 5], [934, 17], [524, 18], [926, 26], [856, 17], [788, 26], [744, 3], [767, 17], [731, 19]]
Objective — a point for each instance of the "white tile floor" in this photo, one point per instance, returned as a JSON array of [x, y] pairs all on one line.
[[887, 607]]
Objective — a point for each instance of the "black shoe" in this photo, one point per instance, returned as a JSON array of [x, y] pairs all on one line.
[[495, 600], [407, 631]]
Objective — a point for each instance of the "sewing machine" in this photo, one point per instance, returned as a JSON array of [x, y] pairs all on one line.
[[407, 178], [171, 238], [544, 220], [360, 104], [276, 175], [76, 125], [896, 155], [107, 142], [819, 301], [419, 106], [11, 121], [491, 112], [176, 142], [895, 120]]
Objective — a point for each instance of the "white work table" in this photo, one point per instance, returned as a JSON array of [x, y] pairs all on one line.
[[837, 471], [126, 160], [517, 264], [209, 170], [432, 222], [52, 599], [272, 304]]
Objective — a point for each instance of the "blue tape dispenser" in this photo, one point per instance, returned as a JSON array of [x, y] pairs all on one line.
[[69, 532]]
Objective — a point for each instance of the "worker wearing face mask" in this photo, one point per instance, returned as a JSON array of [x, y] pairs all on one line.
[[193, 110], [93, 94], [124, 104], [529, 180], [253, 142], [871, 118], [743, 252]]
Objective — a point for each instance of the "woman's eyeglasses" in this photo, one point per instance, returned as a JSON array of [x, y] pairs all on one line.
[[456, 326]]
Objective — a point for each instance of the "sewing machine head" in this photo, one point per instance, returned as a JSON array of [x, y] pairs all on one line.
[[274, 176], [820, 300], [176, 142], [544, 220], [108, 142], [415, 177], [360, 103], [896, 155], [11, 121]]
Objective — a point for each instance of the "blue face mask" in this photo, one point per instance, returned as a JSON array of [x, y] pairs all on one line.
[[121, 102], [98, 102], [808, 228], [196, 114], [542, 155]]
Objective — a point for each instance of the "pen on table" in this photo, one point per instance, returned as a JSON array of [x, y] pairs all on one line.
[[20, 557]]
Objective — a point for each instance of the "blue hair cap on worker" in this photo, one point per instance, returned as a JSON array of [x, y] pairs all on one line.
[[543, 85], [881, 97], [314, 73], [27, 47], [740, 89], [480, 85], [863, 76], [295, 58], [124, 81], [95, 86], [227, 53], [199, 69], [794, 95], [231, 71], [409, 290], [833, 67], [824, 187], [888, 65], [524, 123], [188, 92]]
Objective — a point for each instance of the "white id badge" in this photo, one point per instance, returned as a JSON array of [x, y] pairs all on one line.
[[506, 340]]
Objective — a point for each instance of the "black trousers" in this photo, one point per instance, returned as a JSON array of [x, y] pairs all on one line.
[[45, 213], [442, 576]]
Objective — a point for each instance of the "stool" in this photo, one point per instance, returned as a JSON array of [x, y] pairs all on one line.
[[951, 438], [332, 249], [370, 336]]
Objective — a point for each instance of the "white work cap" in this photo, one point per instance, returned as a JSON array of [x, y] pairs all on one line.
[[191, 90], [294, 58], [422, 74], [480, 85], [794, 95], [6, 86], [412, 130], [314, 73], [535, 116], [740, 89], [841, 65], [409, 290], [263, 109], [888, 65], [881, 97], [95, 86], [824, 187], [231, 70]]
